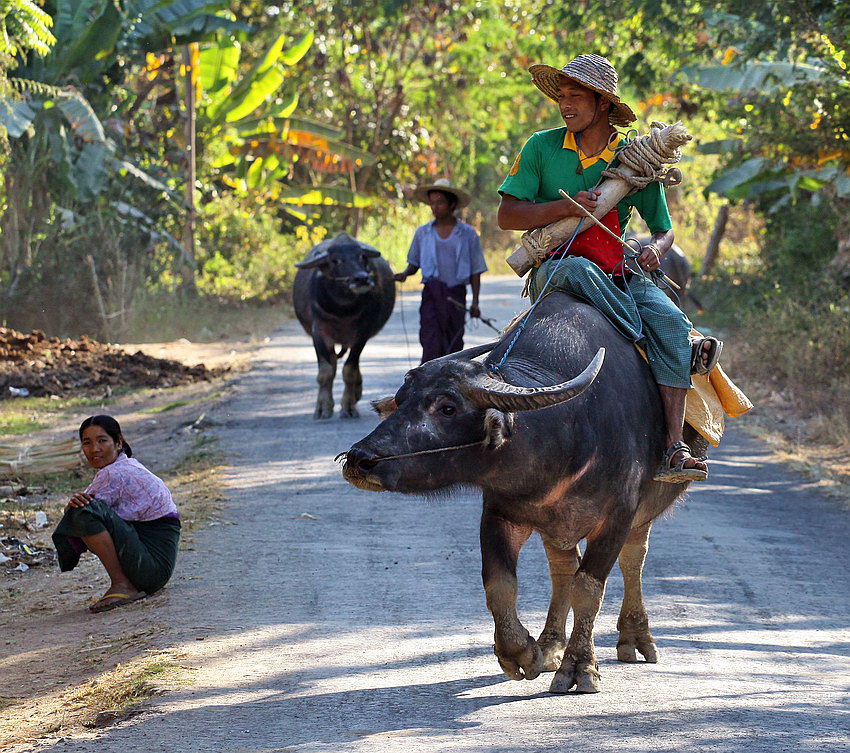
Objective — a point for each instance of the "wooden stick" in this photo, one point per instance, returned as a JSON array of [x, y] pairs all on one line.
[[612, 234]]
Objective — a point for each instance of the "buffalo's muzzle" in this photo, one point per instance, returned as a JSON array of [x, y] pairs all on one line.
[[361, 284], [360, 460], [356, 470]]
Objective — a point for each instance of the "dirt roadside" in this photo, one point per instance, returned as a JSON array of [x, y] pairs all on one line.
[[60, 666]]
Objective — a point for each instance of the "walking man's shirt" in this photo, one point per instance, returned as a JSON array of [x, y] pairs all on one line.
[[448, 252]]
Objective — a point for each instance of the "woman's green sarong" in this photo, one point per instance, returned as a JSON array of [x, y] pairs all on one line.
[[147, 550]]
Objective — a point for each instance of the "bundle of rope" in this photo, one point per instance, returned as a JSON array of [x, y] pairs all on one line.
[[640, 161], [644, 157]]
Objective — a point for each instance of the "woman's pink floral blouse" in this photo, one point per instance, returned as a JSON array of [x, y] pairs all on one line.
[[132, 490]]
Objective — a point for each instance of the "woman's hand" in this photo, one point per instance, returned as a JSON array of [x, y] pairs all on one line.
[[650, 258], [80, 499]]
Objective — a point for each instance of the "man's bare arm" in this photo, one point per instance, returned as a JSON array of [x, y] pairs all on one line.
[[516, 214]]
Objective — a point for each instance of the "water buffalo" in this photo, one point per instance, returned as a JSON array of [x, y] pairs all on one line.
[[571, 457], [343, 294]]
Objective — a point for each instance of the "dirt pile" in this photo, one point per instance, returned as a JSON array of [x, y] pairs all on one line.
[[38, 365]]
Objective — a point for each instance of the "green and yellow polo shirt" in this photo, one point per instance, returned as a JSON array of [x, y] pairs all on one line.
[[549, 160]]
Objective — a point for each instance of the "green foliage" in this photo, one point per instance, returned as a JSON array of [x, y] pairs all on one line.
[[242, 253], [24, 27]]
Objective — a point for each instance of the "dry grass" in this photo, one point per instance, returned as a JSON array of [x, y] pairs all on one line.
[[126, 685], [804, 419], [115, 695], [203, 320]]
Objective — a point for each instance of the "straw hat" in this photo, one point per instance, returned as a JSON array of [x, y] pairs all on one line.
[[445, 185], [592, 71]]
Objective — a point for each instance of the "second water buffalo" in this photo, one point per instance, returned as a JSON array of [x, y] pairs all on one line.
[[343, 295]]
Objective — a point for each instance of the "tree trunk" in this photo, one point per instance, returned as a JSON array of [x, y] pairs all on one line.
[[188, 268], [713, 247]]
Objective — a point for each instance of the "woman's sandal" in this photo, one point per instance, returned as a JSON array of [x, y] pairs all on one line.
[[119, 600], [704, 359], [678, 474]]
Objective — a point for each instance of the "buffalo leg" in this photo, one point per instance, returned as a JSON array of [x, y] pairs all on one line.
[[327, 371], [517, 652], [563, 564], [579, 667], [633, 622], [353, 383]]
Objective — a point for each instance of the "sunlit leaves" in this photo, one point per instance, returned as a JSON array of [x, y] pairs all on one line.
[[24, 26]]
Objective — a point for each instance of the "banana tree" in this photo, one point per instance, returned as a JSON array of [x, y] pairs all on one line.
[[61, 153], [254, 140]]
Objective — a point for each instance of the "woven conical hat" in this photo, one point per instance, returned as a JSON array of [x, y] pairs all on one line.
[[591, 71], [443, 184]]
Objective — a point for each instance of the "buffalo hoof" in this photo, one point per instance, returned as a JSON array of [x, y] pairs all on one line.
[[583, 676], [526, 666], [627, 652], [552, 647], [351, 412], [323, 412]]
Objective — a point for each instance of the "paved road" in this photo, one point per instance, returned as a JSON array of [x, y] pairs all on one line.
[[363, 627]]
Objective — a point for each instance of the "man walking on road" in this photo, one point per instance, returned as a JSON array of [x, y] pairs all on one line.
[[448, 251]]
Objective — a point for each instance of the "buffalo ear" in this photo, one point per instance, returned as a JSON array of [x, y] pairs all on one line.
[[498, 427], [371, 253], [384, 407], [312, 263]]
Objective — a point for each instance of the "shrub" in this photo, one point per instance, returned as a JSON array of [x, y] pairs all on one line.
[[243, 256]]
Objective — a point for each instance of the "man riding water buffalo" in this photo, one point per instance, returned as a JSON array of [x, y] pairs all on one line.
[[572, 158], [448, 251]]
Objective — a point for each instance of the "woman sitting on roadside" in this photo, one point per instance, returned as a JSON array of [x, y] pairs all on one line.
[[126, 517]]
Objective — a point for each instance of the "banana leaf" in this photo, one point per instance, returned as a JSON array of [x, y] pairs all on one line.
[[293, 54], [81, 116], [242, 91], [259, 90], [15, 117], [323, 196], [263, 126], [90, 172], [218, 66], [754, 76], [95, 42]]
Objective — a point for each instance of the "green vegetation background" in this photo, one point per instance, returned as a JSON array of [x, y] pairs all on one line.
[[314, 118]]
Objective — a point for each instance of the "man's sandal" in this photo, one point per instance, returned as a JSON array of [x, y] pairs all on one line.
[[705, 353], [118, 600], [678, 474]]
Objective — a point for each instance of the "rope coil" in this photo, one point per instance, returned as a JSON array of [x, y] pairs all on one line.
[[648, 155]]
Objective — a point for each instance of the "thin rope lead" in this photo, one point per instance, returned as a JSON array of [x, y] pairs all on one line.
[[404, 325], [564, 247]]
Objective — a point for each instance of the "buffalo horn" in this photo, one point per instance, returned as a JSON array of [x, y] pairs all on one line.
[[467, 354], [313, 261], [487, 392]]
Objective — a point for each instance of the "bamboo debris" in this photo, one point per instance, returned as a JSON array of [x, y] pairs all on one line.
[[44, 457]]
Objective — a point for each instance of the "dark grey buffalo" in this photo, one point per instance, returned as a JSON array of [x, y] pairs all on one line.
[[343, 295], [559, 444]]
